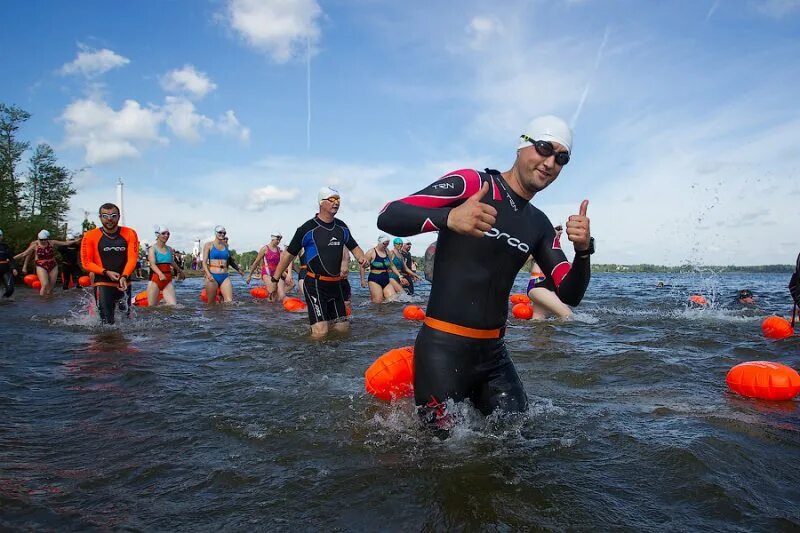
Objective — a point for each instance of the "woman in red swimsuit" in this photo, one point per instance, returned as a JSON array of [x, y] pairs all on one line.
[[44, 254]]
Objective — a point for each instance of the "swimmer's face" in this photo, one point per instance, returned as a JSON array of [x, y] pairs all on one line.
[[109, 218], [536, 172], [330, 205]]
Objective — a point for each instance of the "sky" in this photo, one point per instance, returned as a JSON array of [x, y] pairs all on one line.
[[686, 114]]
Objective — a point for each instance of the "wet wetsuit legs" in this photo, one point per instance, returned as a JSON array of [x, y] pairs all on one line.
[[7, 279], [448, 366], [70, 271], [107, 298]]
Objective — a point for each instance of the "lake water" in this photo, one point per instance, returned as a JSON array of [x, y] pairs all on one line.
[[232, 418]]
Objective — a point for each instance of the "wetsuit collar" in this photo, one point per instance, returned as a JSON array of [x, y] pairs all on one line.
[[516, 201]]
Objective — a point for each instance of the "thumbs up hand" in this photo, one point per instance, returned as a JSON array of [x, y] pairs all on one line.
[[578, 229], [473, 217]]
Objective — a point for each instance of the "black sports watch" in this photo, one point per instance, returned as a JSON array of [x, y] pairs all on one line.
[[583, 254], [273, 279]]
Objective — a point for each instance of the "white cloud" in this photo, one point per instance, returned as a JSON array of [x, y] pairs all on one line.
[[481, 30], [259, 198], [229, 125], [91, 62], [106, 134], [183, 120], [277, 27], [777, 8], [188, 81]]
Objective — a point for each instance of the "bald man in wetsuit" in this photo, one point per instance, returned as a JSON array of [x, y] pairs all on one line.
[[487, 229]]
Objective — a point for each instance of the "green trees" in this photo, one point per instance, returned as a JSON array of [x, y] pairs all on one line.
[[36, 199]]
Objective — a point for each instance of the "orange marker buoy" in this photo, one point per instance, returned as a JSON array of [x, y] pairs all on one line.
[[141, 298], [348, 310], [259, 292], [36, 284], [698, 299], [775, 327], [392, 374], [204, 296], [84, 281], [413, 312], [294, 305], [519, 298], [29, 279], [764, 380], [523, 311]]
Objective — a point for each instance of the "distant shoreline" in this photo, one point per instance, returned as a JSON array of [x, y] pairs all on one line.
[[627, 269]]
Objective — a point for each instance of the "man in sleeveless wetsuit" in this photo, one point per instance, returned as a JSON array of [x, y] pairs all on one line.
[[110, 252], [487, 230], [8, 268], [323, 238]]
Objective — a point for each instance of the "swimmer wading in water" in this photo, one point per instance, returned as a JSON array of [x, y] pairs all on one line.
[[487, 229]]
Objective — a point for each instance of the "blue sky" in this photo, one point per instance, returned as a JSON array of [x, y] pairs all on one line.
[[685, 113]]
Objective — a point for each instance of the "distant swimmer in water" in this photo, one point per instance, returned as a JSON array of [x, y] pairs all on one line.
[[745, 297], [216, 256], [8, 268], [70, 265], [161, 259], [44, 251], [660, 285], [110, 253], [487, 229], [323, 238], [542, 291], [380, 265], [267, 259]]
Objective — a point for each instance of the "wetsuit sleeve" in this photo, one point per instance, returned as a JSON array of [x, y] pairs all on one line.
[[132, 239], [232, 262], [428, 209], [570, 281], [297, 241], [90, 257]]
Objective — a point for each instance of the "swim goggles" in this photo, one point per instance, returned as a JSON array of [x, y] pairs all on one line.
[[546, 149]]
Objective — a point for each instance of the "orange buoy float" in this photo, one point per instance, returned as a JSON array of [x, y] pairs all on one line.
[[29, 279], [776, 327], [519, 298], [698, 299], [294, 305], [36, 284], [141, 298], [84, 281], [392, 374], [523, 311], [259, 292], [348, 310], [413, 312], [764, 380], [204, 296]]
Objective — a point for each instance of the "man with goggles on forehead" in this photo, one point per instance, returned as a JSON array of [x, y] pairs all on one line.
[[487, 229], [323, 239], [110, 252]]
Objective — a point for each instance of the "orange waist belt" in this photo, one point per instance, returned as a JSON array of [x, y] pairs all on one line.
[[323, 278], [463, 331]]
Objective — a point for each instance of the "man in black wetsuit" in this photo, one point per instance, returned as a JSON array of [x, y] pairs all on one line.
[[487, 230], [8, 268], [325, 289], [70, 269]]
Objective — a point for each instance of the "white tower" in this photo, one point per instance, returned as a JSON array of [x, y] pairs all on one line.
[[119, 202]]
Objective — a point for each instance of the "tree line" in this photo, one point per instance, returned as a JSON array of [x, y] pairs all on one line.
[[32, 197]]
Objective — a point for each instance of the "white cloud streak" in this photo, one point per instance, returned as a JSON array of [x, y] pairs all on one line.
[[188, 81], [90, 62]]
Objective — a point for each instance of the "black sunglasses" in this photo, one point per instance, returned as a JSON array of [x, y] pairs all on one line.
[[546, 149]]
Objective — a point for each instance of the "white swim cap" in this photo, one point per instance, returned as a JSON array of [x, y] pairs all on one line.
[[44, 235], [548, 128], [217, 229], [1, 233], [159, 228], [325, 193], [276, 235], [383, 238]]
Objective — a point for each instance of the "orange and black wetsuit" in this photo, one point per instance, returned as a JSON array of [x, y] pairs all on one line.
[[116, 252]]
